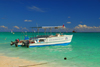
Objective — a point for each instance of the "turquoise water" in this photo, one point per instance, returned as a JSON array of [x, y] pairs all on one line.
[[83, 51]]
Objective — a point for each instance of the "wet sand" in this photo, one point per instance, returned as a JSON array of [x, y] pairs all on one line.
[[17, 62]]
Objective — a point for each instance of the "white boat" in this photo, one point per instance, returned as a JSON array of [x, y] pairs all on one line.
[[45, 40], [12, 32]]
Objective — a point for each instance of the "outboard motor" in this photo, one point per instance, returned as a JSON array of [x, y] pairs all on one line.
[[16, 42], [12, 43], [26, 43], [23, 43]]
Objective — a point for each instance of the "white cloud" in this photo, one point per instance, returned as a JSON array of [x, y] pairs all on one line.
[[69, 17], [24, 28], [86, 28], [16, 27], [27, 20], [83, 26], [81, 22], [35, 9], [99, 17], [3, 17], [68, 22], [4, 27]]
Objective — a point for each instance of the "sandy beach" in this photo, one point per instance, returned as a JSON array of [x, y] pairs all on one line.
[[17, 62]]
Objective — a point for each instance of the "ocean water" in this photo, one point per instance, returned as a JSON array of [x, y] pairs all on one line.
[[83, 51]]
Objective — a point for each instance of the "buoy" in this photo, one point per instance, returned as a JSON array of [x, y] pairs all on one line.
[[65, 58]]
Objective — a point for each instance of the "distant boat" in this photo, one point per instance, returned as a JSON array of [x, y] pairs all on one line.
[[74, 31], [25, 31], [12, 32]]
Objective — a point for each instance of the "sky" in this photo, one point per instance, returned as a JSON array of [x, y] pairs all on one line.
[[79, 15]]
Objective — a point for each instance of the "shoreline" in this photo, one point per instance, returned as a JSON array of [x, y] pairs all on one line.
[[18, 62]]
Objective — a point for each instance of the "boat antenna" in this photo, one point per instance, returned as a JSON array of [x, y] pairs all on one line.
[[37, 28], [50, 31], [32, 31], [37, 24], [45, 31]]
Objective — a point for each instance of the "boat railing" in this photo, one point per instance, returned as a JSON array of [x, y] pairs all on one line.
[[43, 36]]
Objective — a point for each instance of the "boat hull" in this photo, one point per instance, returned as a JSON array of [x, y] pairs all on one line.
[[55, 41], [62, 44]]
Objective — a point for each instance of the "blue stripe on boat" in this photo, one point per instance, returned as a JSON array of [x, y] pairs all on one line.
[[19, 45], [63, 44]]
